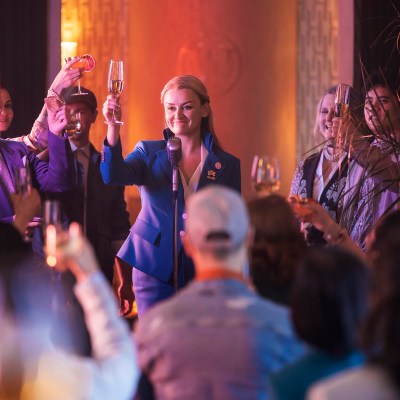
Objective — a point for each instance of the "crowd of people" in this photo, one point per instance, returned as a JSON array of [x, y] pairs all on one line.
[[277, 297]]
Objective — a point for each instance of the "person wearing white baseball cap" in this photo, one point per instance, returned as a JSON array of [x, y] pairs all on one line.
[[213, 338]]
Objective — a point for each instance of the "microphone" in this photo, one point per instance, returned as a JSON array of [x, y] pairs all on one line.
[[174, 150]]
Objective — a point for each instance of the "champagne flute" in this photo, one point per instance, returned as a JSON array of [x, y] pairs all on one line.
[[342, 99], [115, 85], [265, 175], [342, 102], [52, 226], [86, 63]]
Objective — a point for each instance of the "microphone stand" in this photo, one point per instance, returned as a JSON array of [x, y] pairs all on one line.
[[174, 150], [175, 227]]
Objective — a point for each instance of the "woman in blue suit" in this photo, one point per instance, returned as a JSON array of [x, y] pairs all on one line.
[[148, 249]]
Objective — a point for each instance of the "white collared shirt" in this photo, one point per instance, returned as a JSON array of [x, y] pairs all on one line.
[[191, 187]]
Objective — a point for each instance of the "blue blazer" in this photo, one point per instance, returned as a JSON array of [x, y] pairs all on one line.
[[53, 176], [150, 242]]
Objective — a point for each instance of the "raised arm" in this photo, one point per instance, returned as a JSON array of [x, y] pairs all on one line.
[[36, 140], [114, 368]]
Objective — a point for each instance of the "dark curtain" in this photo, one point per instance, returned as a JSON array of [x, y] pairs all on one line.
[[376, 27], [23, 59]]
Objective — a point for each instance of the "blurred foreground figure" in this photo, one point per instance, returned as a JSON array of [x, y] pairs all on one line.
[[31, 365], [379, 379], [213, 339], [328, 304]]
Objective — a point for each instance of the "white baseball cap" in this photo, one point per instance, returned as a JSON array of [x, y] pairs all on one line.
[[216, 218]]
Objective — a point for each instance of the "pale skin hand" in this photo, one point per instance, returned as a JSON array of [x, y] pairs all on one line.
[[126, 296], [320, 218], [58, 120], [66, 77], [345, 130], [25, 207], [112, 103], [75, 253]]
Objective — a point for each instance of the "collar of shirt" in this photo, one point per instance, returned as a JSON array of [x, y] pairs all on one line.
[[191, 187], [85, 149]]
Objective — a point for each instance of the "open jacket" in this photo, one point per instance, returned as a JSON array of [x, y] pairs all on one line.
[[150, 242]]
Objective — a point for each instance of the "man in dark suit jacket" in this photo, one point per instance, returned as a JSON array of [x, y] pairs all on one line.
[[99, 208]]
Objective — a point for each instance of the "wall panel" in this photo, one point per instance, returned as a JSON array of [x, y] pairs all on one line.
[[244, 51]]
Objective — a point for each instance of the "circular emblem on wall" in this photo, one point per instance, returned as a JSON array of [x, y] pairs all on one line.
[[213, 58]]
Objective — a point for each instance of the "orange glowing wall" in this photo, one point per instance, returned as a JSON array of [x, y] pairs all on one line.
[[245, 51]]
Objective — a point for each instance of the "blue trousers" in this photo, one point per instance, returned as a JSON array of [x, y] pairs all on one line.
[[150, 290]]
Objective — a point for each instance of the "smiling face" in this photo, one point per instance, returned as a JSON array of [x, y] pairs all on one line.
[[382, 110], [184, 112], [6, 110], [327, 104]]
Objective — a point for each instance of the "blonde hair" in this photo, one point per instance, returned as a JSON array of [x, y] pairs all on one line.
[[318, 136]]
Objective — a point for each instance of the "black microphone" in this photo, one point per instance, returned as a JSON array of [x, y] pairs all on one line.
[[174, 150]]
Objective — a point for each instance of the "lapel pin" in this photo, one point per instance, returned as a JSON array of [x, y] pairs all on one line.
[[218, 165], [211, 174]]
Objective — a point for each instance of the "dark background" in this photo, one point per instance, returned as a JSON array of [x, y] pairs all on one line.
[[376, 28], [23, 59], [24, 45]]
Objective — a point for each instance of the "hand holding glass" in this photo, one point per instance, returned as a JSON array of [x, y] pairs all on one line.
[[115, 85], [265, 175], [86, 63]]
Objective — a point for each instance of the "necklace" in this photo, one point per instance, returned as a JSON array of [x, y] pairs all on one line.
[[332, 157]]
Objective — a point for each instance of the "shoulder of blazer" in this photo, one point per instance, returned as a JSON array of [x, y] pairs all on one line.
[[223, 155], [152, 145], [10, 146]]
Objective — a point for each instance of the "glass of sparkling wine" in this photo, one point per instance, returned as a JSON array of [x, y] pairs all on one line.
[[342, 99], [115, 84], [52, 226], [265, 175]]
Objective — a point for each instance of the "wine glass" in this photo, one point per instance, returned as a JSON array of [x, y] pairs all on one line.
[[265, 175], [115, 84], [86, 63]]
